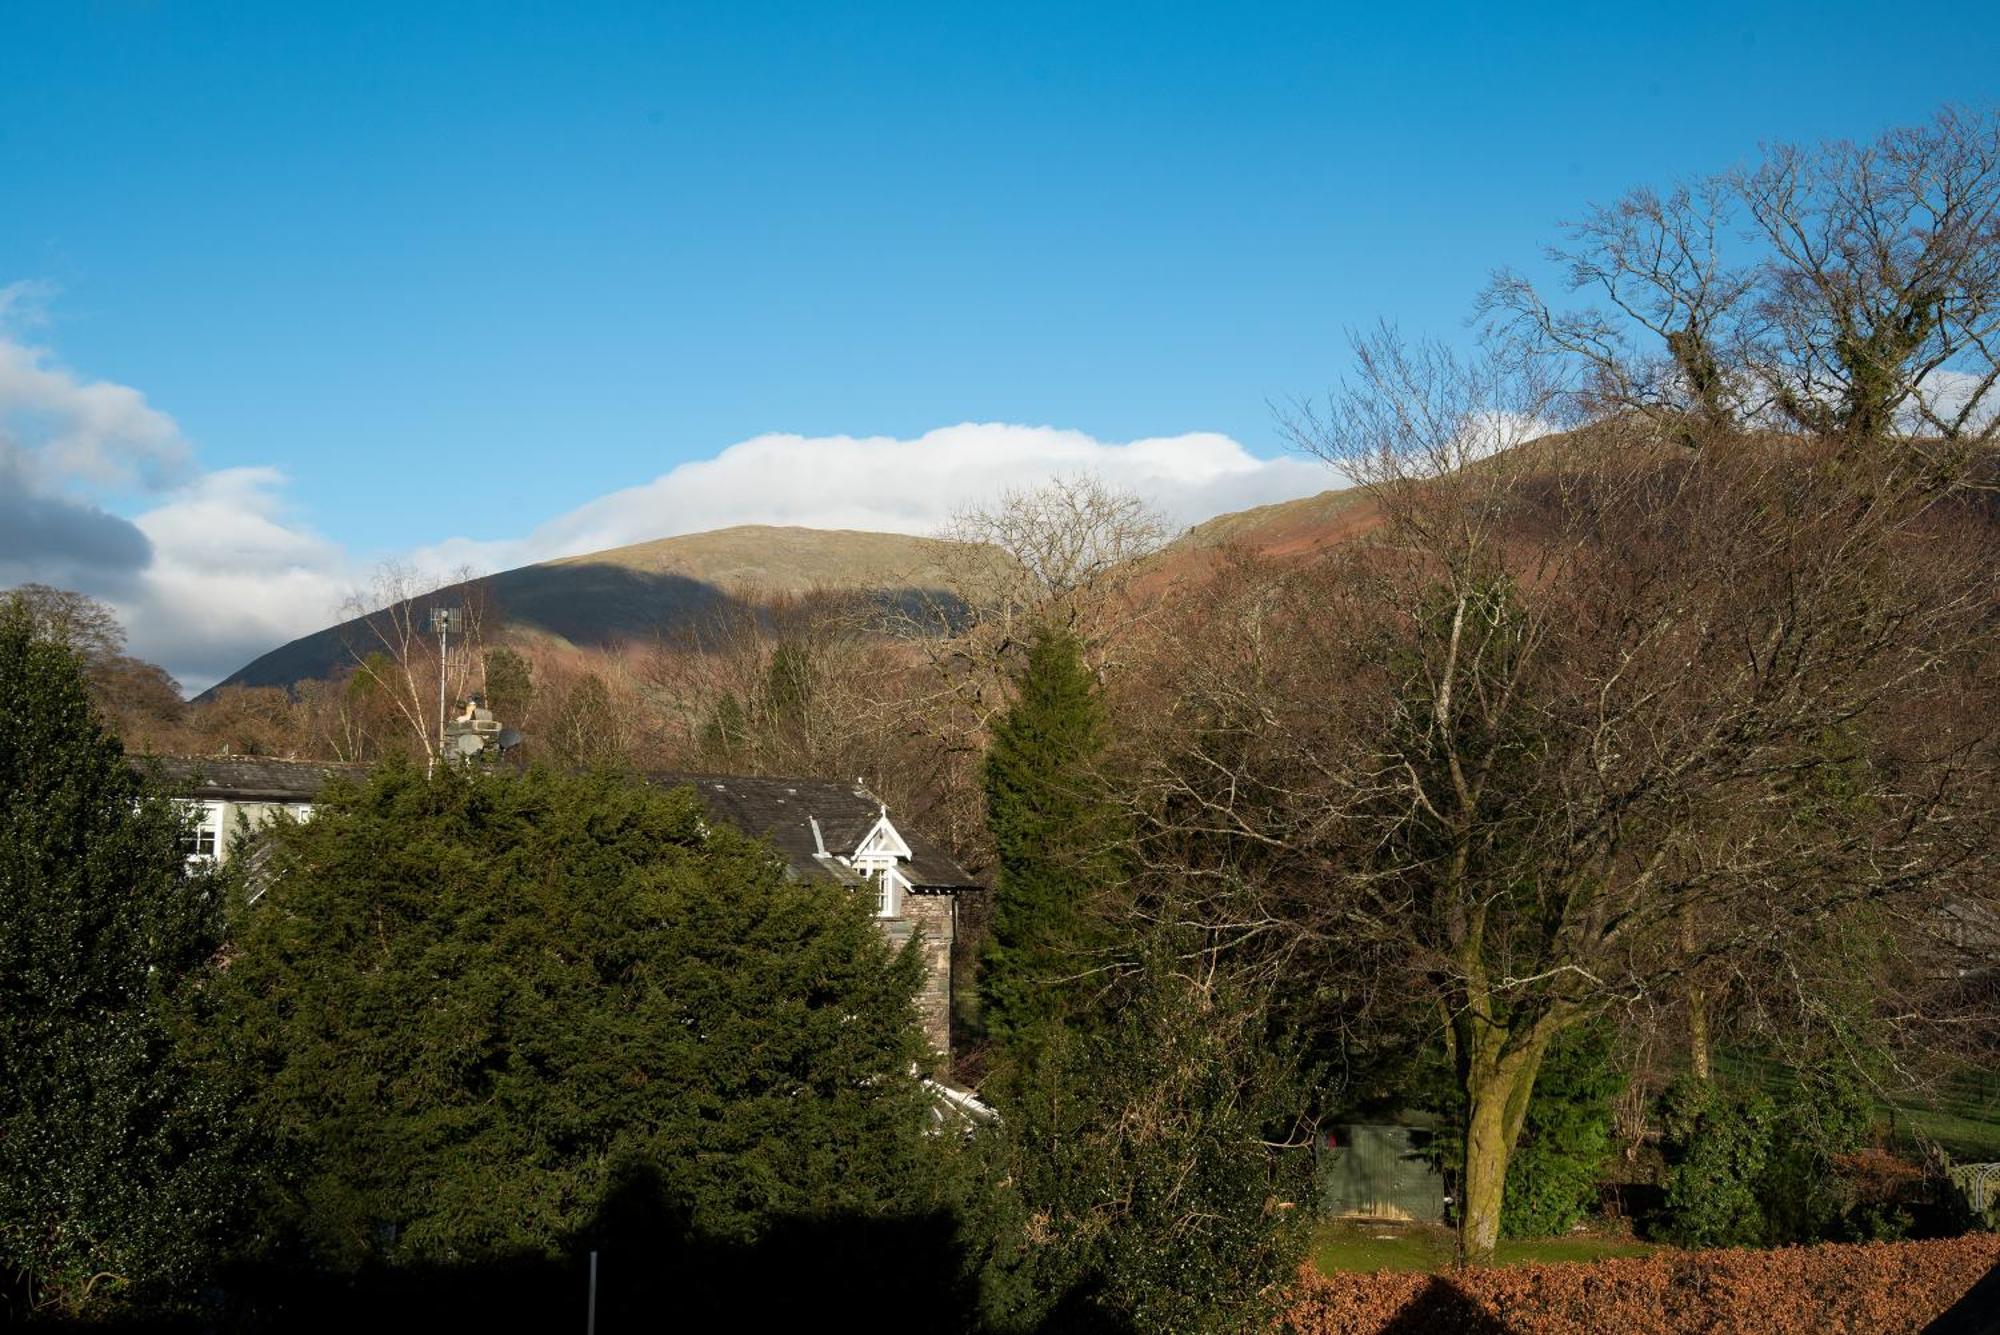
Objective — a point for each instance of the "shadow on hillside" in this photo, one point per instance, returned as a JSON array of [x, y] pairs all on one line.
[[590, 604], [599, 605], [906, 1274], [1977, 1313]]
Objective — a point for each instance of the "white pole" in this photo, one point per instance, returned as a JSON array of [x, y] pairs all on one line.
[[444, 638]]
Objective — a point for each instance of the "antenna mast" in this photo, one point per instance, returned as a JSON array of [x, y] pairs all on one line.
[[444, 620]]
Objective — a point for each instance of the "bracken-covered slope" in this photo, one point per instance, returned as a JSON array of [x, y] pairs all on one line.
[[653, 588], [1288, 528]]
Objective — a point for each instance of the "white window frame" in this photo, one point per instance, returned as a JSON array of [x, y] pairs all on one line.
[[878, 856], [890, 888], [206, 834]]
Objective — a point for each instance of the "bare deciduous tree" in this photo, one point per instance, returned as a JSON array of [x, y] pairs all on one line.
[[1058, 553], [390, 641], [1581, 722], [1881, 290], [1851, 291], [1667, 339]]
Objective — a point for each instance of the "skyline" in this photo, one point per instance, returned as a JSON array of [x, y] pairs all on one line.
[[284, 296]]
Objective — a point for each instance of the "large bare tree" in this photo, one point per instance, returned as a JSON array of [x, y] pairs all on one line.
[[1851, 291], [1880, 290], [1589, 715]]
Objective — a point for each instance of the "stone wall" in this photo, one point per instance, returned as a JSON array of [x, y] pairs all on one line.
[[936, 917]]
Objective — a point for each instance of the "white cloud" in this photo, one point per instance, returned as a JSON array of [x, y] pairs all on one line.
[[208, 575], [231, 576], [64, 431], [896, 485], [214, 570]]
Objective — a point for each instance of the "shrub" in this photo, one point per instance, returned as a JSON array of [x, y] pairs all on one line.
[[480, 1006], [1717, 1144], [1805, 1194], [115, 1149], [1552, 1177], [1746, 1168], [1134, 1188], [1895, 1288]]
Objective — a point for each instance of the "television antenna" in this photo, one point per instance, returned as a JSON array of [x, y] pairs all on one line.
[[444, 620]]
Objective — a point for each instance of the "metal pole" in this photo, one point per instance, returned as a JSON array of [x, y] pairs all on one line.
[[444, 638], [590, 1317]]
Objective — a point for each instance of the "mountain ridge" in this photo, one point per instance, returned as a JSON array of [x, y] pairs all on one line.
[[598, 599]]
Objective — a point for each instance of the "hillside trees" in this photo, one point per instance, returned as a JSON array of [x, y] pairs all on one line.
[[114, 1149], [475, 1004], [806, 684], [1575, 697], [138, 699], [1060, 554], [510, 683]]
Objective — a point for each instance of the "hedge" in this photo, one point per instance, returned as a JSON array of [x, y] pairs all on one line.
[[1876, 1288]]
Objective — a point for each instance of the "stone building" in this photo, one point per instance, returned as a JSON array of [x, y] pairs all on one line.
[[822, 830]]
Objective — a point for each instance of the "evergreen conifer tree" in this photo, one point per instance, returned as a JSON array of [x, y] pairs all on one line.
[[113, 1150], [489, 1011], [1055, 834]]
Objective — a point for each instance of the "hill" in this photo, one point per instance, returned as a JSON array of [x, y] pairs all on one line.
[[650, 588], [636, 592], [1288, 528]]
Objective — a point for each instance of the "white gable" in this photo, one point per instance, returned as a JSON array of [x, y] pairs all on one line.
[[882, 844]]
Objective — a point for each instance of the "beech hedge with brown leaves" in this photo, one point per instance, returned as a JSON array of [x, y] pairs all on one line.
[[1877, 1288]]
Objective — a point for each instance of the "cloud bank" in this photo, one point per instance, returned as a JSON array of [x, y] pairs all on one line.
[[893, 485], [213, 568]]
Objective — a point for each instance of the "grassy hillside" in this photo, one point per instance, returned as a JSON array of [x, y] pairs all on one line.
[[651, 588]]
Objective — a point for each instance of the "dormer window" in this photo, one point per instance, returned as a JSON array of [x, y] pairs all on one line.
[[878, 856]]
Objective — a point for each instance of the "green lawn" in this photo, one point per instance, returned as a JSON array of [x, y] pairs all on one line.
[[1962, 1113], [1363, 1247]]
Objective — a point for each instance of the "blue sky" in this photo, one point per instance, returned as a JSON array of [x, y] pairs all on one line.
[[454, 271]]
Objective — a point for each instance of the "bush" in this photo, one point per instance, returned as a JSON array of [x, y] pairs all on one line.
[[115, 1149], [1837, 1289], [1745, 1168], [481, 1008], [1566, 1138], [1717, 1143], [1133, 1185]]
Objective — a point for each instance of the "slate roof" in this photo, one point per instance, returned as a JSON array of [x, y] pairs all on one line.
[[245, 778], [780, 809], [783, 810]]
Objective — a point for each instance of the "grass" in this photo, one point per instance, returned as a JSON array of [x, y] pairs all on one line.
[[1962, 1113], [1339, 1247]]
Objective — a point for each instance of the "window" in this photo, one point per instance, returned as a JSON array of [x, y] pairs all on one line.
[[202, 841], [889, 888]]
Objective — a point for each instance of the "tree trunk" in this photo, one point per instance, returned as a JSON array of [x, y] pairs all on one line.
[[1697, 1002], [1698, 1033], [1497, 1090]]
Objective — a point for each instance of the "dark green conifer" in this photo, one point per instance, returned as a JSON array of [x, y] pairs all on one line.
[[482, 1006], [1056, 837], [112, 1148]]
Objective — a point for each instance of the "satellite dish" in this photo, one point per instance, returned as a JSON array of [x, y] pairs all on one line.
[[468, 744], [508, 739]]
